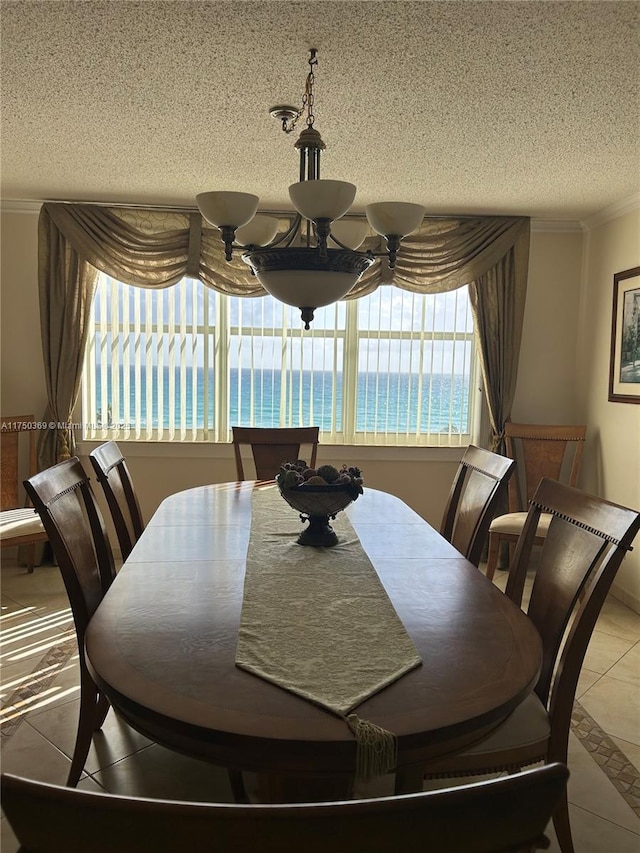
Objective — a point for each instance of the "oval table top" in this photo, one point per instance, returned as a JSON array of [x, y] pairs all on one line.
[[162, 643]]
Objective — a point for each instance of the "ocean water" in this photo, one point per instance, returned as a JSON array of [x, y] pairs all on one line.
[[402, 402]]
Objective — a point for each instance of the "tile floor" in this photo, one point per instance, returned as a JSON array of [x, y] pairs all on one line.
[[39, 695]]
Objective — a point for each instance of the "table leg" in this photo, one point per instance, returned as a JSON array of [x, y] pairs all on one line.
[[409, 780], [303, 789], [238, 790]]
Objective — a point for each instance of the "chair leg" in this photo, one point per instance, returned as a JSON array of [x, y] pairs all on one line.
[[30, 557], [237, 786], [92, 710], [492, 554], [102, 709], [562, 825]]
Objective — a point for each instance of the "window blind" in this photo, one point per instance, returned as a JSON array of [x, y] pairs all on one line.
[[186, 363]]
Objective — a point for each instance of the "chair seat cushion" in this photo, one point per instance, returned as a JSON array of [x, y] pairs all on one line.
[[527, 725], [513, 522], [20, 522]]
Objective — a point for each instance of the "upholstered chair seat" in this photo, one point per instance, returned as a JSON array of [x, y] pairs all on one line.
[[20, 524], [16, 523], [512, 524], [528, 727]]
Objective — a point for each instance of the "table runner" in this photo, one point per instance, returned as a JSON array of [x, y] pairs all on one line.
[[319, 623]]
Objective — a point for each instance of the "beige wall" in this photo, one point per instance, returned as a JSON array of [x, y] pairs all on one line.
[[22, 388], [562, 377], [546, 391], [612, 468]]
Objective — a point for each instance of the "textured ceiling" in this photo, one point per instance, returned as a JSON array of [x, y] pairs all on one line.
[[490, 107]]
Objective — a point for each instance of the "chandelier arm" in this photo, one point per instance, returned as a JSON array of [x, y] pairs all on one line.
[[367, 254], [284, 239], [289, 234], [228, 233], [322, 229], [371, 254], [393, 245]]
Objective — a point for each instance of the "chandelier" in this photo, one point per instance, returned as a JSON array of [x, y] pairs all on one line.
[[315, 262]]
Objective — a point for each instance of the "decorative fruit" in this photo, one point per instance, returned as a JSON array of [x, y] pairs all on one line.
[[316, 481], [297, 475], [328, 473], [291, 479]]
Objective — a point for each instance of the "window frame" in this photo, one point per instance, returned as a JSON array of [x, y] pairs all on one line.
[[222, 331]]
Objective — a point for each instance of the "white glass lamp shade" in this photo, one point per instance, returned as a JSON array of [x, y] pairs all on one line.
[[350, 232], [258, 232], [322, 199], [397, 218], [307, 288], [227, 208]]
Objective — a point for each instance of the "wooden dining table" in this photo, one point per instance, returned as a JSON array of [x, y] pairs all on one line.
[[162, 647]]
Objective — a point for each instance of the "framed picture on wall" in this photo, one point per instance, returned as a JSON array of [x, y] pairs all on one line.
[[624, 370]]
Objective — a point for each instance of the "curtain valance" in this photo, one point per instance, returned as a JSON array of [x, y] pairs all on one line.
[[155, 248]]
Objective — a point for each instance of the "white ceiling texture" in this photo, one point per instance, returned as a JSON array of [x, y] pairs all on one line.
[[527, 108]]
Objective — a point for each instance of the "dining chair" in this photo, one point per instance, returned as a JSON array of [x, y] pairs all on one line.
[[270, 447], [540, 450], [63, 497], [113, 475], [19, 523], [64, 500], [479, 484], [586, 541], [508, 814]]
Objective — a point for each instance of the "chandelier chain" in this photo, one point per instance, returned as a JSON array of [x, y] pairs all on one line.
[[309, 96], [308, 99]]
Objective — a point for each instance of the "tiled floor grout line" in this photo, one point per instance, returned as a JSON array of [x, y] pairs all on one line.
[[608, 756], [56, 658]]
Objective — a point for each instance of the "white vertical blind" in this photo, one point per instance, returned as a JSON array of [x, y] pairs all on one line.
[[187, 363]]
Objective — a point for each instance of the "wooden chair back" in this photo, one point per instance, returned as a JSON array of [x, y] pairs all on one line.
[[540, 450], [587, 540], [113, 475], [64, 500], [508, 814], [480, 482], [18, 525], [271, 447]]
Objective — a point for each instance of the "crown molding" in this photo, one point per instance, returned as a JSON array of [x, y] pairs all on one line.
[[613, 211], [555, 225], [17, 205]]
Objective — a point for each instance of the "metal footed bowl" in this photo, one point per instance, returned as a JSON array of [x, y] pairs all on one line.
[[319, 504], [318, 500]]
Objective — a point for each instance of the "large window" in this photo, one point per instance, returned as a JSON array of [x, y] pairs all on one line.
[[185, 363]]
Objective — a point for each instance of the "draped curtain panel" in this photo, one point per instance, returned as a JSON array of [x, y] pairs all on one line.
[[156, 248], [498, 313], [66, 283]]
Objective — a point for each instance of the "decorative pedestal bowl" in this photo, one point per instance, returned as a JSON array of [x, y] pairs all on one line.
[[318, 504]]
